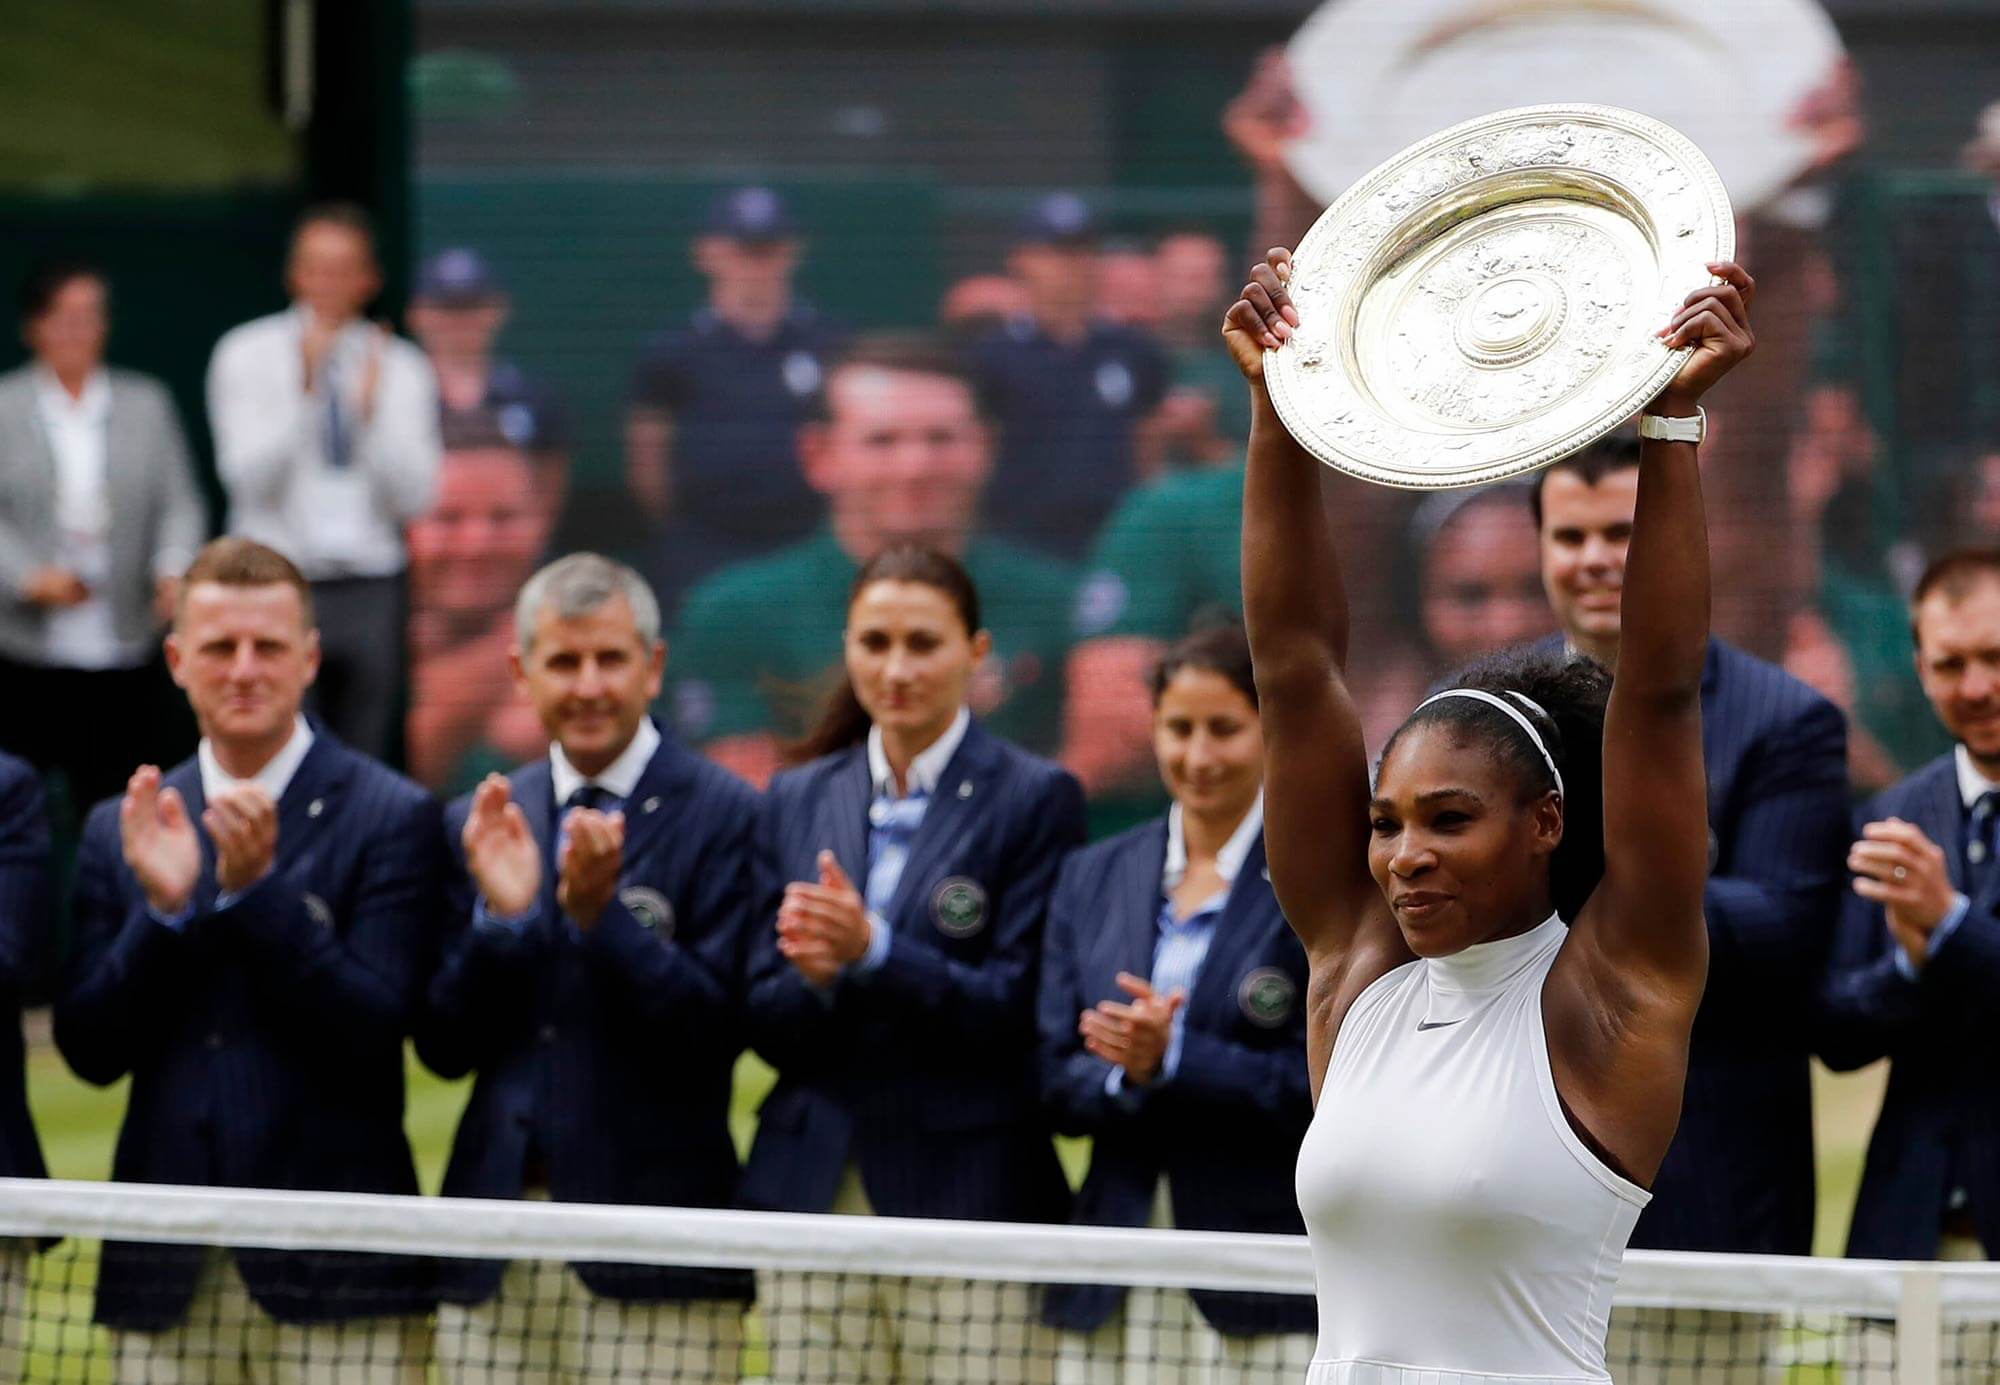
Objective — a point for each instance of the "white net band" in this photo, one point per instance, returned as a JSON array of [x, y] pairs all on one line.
[[480, 1229]]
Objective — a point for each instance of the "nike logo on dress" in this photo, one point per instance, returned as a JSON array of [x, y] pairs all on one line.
[[1422, 1025]]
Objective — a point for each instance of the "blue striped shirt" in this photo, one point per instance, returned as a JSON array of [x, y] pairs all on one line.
[[1183, 943]]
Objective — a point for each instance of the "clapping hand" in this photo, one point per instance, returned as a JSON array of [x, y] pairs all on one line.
[[823, 926], [159, 841], [587, 866], [1904, 871], [500, 851], [242, 821], [1133, 1037]]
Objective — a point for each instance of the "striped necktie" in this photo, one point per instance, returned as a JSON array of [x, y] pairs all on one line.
[[1981, 841]]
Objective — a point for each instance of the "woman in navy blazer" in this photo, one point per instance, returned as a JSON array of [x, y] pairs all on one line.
[[903, 869], [1173, 1030]]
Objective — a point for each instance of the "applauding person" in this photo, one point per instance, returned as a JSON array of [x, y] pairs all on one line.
[[596, 919], [1916, 966], [1173, 1023], [903, 870], [252, 935]]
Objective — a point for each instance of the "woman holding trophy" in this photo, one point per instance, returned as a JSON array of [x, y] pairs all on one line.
[[1504, 927]]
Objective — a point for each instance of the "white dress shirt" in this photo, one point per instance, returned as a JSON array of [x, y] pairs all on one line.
[[85, 635], [272, 441], [620, 778], [274, 778]]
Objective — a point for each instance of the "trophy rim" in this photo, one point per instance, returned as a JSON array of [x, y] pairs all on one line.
[[1281, 365]]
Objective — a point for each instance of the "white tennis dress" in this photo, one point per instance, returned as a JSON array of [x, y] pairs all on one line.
[[1461, 1233]]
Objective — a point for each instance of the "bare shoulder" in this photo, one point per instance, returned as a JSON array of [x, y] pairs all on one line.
[[1618, 1047], [1339, 978]]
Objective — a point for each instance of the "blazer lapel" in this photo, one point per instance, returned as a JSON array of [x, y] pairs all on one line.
[[34, 497], [125, 483], [844, 819], [659, 797], [534, 789], [1237, 933], [1943, 818], [1135, 901], [311, 800], [953, 807]]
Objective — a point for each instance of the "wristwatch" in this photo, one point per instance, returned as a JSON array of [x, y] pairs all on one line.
[[1675, 429]]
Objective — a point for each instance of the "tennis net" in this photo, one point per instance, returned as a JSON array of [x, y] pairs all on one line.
[[332, 1287]]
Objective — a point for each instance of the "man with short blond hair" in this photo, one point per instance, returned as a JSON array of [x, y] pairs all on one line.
[[252, 928], [597, 916]]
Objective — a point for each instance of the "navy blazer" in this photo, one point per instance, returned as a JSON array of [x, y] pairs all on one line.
[[1739, 1173], [265, 1041], [609, 1054], [1225, 1131], [1939, 1128], [24, 935], [924, 1072]]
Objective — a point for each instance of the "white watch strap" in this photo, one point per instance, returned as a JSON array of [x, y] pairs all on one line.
[[1663, 429]]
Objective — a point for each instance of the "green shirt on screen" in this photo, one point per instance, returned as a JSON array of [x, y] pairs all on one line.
[[1211, 370], [1171, 551], [759, 642]]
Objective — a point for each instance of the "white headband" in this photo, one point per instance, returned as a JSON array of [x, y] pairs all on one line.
[[1478, 695]]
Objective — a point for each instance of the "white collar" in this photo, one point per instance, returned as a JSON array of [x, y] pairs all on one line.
[[620, 777], [274, 778], [93, 404], [1228, 861], [1971, 783], [928, 765]]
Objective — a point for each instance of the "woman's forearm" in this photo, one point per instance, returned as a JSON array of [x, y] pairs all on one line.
[[1663, 640], [1294, 603]]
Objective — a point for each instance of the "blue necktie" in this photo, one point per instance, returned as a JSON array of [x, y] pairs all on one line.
[[1981, 841], [894, 822], [338, 440], [593, 796]]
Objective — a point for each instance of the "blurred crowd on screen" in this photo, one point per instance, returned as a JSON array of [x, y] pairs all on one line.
[[1092, 487]]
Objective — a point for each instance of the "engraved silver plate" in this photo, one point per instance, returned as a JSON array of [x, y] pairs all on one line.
[[1485, 302]]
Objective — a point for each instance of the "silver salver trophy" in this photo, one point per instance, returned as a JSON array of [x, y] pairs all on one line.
[[1486, 301]]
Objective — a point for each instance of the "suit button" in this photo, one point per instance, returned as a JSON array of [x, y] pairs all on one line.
[[548, 1033], [212, 1042]]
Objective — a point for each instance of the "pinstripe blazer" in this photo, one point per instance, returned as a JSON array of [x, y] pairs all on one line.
[[1226, 1130], [1739, 1173], [923, 1074], [609, 1054], [1940, 1123], [157, 518], [264, 1041], [24, 935]]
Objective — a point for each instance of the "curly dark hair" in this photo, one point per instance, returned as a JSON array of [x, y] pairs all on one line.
[[1571, 691]]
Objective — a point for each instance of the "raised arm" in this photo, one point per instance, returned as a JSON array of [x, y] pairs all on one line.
[[1644, 923], [1295, 612]]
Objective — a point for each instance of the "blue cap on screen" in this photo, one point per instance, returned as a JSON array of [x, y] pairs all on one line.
[[457, 275], [750, 213], [1059, 218]]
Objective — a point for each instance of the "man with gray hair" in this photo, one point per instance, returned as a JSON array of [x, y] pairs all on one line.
[[597, 906]]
